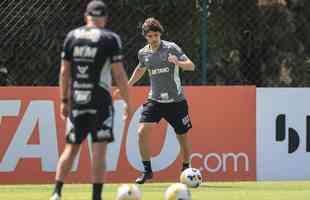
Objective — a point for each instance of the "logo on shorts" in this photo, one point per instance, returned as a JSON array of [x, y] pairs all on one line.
[[103, 134], [72, 137], [108, 122], [186, 120], [164, 96]]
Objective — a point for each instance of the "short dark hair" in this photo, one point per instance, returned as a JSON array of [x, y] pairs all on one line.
[[151, 24]]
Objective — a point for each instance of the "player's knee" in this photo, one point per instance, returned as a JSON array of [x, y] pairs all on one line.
[[182, 137], [71, 157], [143, 130]]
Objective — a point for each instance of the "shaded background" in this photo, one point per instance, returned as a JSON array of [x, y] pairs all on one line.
[[232, 42]]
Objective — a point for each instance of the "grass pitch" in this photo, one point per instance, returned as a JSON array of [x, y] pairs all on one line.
[[155, 191]]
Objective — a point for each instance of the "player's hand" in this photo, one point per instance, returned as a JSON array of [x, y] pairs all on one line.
[[64, 110], [173, 59]]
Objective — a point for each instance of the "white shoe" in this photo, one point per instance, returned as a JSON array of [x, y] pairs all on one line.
[[55, 197]]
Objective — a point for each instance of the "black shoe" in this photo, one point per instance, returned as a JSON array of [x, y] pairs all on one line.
[[145, 176]]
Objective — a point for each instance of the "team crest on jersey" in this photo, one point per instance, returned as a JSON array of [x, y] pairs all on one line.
[[163, 56], [82, 69], [82, 72]]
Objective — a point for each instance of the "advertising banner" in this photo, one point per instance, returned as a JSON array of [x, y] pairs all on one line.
[[283, 133], [223, 137]]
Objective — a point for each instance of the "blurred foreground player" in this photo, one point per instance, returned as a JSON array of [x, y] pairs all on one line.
[[89, 55]]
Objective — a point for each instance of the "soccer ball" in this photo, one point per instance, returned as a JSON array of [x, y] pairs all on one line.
[[191, 177], [178, 191], [128, 192]]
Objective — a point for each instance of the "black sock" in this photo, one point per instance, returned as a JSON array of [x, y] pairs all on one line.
[[97, 190], [58, 187], [147, 166], [185, 165]]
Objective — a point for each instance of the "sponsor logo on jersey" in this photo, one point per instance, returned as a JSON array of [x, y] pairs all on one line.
[[77, 85], [85, 51], [82, 96], [82, 112], [92, 35], [160, 71]]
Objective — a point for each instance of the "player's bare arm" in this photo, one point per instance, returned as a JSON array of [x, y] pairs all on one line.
[[186, 65], [121, 80], [137, 75], [64, 84]]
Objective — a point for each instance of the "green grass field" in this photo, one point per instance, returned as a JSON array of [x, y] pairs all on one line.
[[212, 191]]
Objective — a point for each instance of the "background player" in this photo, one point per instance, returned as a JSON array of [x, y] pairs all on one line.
[[162, 60]]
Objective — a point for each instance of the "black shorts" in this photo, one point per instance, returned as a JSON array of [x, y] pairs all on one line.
[[97, 122], [176, 114]]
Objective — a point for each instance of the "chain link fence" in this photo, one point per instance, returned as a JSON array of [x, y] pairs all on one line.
[[32, 34], [244, 42], [259, 42]]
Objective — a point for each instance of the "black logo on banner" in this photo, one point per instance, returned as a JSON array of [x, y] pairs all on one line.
[[293, 136]]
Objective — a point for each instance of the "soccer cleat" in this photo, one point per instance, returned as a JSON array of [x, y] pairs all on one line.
[[145, 176], [55, 197], [184, 168]]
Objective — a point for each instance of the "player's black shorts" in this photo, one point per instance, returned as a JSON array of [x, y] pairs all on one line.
[[176, 114], [98, 122]]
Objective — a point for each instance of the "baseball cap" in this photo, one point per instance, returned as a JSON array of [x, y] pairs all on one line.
[[96, 8]]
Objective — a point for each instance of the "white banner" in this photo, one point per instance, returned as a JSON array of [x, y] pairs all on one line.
[[283, 134]]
